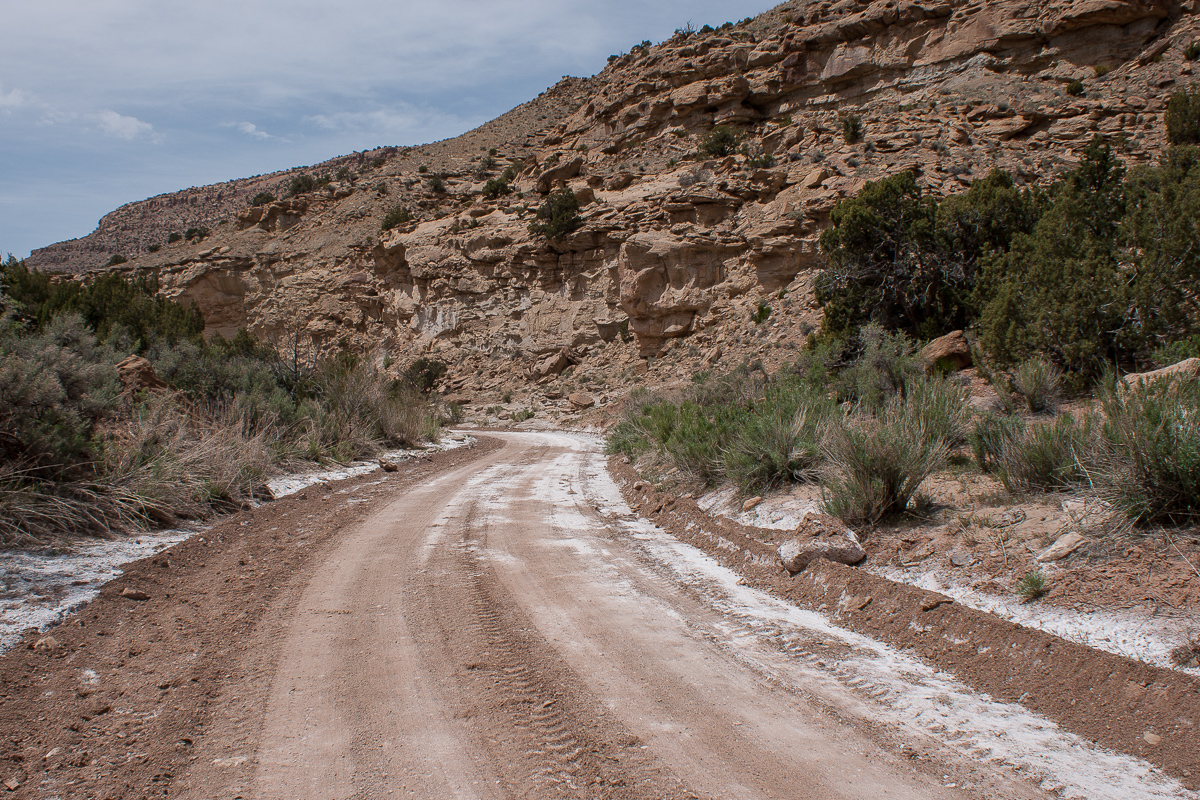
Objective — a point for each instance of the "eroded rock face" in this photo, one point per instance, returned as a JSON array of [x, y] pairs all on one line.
[[676, 245]]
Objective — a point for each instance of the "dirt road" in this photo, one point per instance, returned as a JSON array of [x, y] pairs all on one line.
[[497, 632]]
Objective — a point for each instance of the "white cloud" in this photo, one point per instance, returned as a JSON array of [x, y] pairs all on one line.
[[403, 120], [13, 99], [250, 129], [123, 127]]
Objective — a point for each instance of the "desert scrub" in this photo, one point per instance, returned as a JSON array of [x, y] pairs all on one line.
[[398, 215], [56, 387], [852, 128], [720, 141], [558, 216], [79, 456], [1151, 467], [495, 188], [1038, 383], [877, 463], [779, 444], [1038, 456], [301, 184], [884, 363]]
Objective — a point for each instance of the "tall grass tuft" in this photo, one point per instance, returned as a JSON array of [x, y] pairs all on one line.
[[877, 464], [779, 445], [1151, 468], [1041, 456], [1039, 384]]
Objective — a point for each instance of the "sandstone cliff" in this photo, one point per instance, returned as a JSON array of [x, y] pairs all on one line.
[[682, 259]]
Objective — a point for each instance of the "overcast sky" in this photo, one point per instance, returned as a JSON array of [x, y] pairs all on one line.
[[110, 101]]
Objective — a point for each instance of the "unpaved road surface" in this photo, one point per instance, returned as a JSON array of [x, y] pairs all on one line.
[[506, 628], [476, 639]]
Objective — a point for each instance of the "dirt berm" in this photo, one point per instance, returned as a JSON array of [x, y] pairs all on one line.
[[1119, 703]]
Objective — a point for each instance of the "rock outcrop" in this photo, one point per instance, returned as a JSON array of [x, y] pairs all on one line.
[[681, 252]]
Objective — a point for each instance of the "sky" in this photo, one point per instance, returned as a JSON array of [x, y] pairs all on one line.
[[104, 103]]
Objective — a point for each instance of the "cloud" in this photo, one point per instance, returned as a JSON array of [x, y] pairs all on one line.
[[402, 120], [13, 99], [123, 127], [250, 129]]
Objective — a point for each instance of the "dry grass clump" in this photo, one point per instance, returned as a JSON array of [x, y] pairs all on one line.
[[1039, 384], [877, 464]]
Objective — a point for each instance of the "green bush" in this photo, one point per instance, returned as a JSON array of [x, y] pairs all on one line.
[[343, 174], [1075, 88], [852, 128], [1036, 457], [757, 158], [436, 185], [262, 199], [1192, 51], [174, 237], [1059, 290], [1032, 586], [198, 233], [779, 444], [720, 141], [56, 386], [424, 373], [301, 184], [897, 257], [109, 305], [558, 216], [1177, 351], [399, 215], [496, 187], [882, 367], [116, 259], [1183, 117], [153, 248]]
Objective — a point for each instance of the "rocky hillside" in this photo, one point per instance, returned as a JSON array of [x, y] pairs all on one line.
[[688, 254]]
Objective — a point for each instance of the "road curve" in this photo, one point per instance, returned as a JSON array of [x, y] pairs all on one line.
[[496, 633]]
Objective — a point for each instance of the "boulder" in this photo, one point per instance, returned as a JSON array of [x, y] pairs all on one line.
[[558, 174], [580, 401], [820, 536], [137, 375], [134, 594], [1185, 371], [815, 178], [554, 363], [388, 466], [951, 352]]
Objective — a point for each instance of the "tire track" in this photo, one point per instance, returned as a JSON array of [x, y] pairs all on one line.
[[547, 737]]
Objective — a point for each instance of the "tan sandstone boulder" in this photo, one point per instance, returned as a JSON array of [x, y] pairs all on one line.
[[820, 536], [951, 352], [137, 375]]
